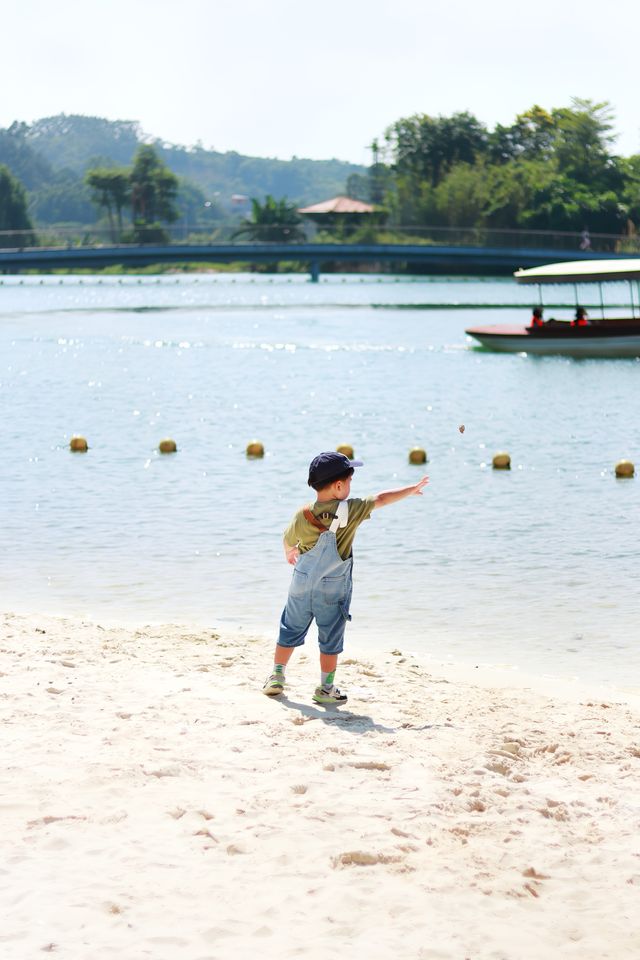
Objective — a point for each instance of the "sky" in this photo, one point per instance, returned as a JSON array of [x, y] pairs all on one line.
[[283, 78]]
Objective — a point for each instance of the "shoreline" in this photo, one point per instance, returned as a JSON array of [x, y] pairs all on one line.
[[465, 669], [153, 790]]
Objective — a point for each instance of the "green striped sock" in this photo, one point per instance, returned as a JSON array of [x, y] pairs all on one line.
[[326, 679]]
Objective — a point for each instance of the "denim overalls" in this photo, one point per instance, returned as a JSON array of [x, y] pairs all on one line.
[[321, 588]]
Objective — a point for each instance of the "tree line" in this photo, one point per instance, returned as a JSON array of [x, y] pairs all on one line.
[[50, 158], [549, 170], [147, 191]]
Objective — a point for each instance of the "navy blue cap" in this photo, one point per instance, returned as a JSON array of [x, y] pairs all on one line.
[[326, 466]]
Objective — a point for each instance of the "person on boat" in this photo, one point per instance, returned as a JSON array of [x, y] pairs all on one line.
[[581, 318], [536, 318]]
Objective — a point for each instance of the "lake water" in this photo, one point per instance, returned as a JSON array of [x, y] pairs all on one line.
[[536, 568]]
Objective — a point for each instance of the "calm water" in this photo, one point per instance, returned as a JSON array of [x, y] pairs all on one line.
[[537, 567]]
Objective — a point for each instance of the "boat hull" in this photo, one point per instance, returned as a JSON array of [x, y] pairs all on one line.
[[570, 342]]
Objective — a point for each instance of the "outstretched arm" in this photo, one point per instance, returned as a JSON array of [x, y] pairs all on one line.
[[392, 496]]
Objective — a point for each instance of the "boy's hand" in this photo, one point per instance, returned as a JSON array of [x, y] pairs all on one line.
[[292, 554], [392, 496], [418, 487]]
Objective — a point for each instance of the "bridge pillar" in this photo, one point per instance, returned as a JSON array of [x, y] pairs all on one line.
[[314, 270]]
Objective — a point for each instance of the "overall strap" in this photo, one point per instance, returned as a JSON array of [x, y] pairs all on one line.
[[342, 516], [308, 515]]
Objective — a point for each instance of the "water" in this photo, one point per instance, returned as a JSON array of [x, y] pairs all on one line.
[[535, 568]]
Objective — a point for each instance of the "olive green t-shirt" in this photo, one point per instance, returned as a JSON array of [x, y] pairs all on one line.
[[304, 535]]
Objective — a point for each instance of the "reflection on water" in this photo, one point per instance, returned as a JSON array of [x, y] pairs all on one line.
[[536, 567]]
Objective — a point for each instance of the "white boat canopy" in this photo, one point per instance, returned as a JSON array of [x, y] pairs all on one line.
[[582, 271]]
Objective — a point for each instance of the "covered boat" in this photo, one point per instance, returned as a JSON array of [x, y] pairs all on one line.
[[601, 337]]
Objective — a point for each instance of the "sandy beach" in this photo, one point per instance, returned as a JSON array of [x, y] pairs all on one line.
[[156, 804]]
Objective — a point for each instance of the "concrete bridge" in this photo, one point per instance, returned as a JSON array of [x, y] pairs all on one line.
[[427, 258]]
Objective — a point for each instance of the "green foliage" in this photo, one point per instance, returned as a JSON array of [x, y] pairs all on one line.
[[64, 200], [547, 171], [13, 211], [153, 191], [70, 141], [50, 154], [273, 220], [425, 148], [111, 190], [25, 163], [148, 188]]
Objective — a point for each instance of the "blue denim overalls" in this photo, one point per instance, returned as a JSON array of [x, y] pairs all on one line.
[[321, 588]]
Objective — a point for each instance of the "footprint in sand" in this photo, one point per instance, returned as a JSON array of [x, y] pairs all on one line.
[[359, 858]]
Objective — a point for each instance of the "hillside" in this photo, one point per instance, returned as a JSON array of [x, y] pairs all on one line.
[[51, 155]]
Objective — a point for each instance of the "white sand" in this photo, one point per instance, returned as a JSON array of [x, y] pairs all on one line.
[[155, 804]]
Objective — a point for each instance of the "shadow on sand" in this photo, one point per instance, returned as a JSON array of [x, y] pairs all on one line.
[[337, 715]]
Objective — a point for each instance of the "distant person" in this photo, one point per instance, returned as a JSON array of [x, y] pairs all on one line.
[[536, 318], [318, 544], [581, 318], [585, 240]]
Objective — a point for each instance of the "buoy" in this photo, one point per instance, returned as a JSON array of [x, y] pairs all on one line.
[[167, 446], [625, 468], [346, 449], [78, 445], [417, 455], [255, 449], [501, 461]]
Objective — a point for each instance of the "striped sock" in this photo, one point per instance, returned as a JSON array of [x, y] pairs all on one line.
[[326, 679], [278, 668]]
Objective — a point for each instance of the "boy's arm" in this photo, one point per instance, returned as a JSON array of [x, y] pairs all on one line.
[[291, 553], [392, 496]]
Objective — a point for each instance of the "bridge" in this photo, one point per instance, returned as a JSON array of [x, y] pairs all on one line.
[[424, 258]]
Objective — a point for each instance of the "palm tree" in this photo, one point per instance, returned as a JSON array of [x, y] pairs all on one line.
[[272, 221]]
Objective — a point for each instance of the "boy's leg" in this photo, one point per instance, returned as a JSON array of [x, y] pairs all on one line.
[[328, 666], [294, 624], [282, 655], [331, 626], [274, 684]]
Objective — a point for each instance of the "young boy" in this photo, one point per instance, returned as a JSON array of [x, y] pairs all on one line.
[[318, 544]]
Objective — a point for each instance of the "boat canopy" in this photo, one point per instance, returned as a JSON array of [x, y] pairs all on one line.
[[582, 271]]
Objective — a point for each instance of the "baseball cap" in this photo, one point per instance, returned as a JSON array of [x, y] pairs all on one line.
[[328, 465]]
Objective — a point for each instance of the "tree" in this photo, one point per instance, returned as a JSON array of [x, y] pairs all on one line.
[[153, 192], [531, 137], [582, 140], [273, 220], [110, 189], [13, 212], [425, 148]]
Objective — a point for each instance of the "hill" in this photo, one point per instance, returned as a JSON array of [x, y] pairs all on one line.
[[51, 155]]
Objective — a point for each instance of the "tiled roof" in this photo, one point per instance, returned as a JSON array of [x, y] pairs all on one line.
[[339, 205]]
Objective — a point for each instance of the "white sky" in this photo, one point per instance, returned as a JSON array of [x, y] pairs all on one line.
[[281, 78]]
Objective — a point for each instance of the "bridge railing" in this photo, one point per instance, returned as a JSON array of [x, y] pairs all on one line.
[[182, 234]]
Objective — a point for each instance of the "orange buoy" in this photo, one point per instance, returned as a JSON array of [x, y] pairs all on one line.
[[501, 461], [255, 450], [167, 446], [417, 455], [625, 468], [78, 445], [346, 449]]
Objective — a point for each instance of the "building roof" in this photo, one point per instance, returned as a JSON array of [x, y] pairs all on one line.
[[339, 205]]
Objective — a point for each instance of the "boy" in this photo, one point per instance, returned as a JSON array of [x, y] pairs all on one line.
[[318, 544]]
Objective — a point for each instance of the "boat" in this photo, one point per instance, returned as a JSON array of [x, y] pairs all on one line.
[[602, 337]]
